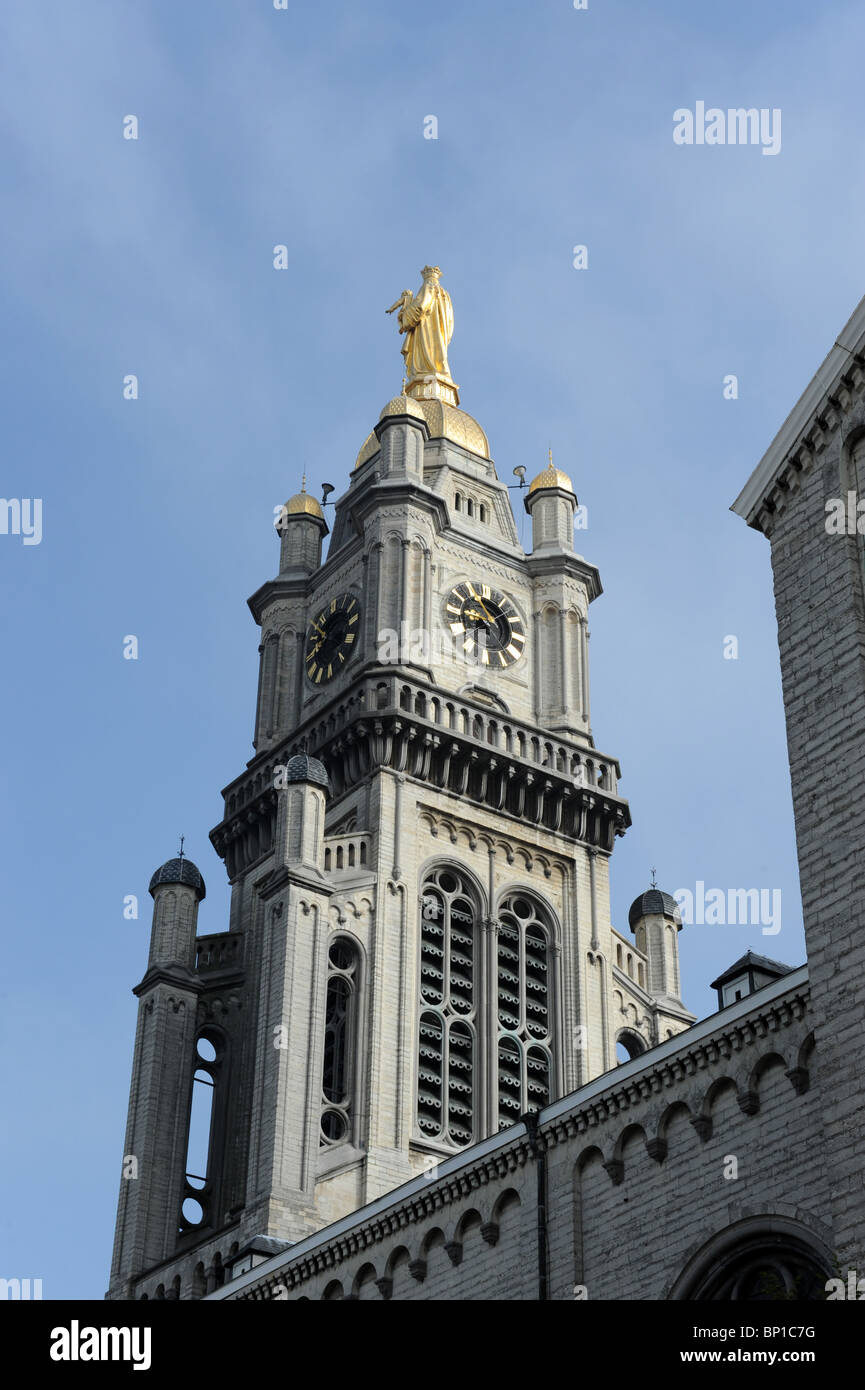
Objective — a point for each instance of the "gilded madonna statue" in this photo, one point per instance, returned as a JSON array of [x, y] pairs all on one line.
[[426, 320]]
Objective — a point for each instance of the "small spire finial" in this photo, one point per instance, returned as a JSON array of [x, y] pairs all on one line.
[[303, 483], [654, 882], [182, 838], [550, 455]]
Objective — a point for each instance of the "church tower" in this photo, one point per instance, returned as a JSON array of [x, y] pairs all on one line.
[[420, 948]]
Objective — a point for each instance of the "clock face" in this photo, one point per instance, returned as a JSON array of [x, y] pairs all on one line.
[[486, 624], [331, 637]]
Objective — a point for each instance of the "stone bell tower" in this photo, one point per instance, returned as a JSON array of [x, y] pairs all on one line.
[[420, 948]]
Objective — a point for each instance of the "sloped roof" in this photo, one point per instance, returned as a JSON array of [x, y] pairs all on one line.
[[750, 958]]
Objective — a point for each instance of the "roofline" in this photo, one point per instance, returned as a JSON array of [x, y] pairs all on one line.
[[626, 1072], [849, 343], [752, 960]]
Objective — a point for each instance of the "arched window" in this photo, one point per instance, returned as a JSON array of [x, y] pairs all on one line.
[[483, 513], [628, 1046], [757, 1260], [340, 1029], [446, 1043], [458, 502], [524, 1007], [470, 506]]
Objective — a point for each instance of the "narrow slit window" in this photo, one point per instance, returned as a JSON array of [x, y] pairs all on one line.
[[338, 1073]]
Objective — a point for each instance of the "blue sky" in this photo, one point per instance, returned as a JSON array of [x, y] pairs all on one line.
[[154, 256]]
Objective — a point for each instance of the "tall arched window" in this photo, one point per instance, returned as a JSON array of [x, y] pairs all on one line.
[[446, 1044], [340, 1048], [524, 1009]]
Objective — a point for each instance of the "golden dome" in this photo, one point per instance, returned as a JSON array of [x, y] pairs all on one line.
[[301, 504], [402, 405], [551, 477], [443, 422], [448, 422]]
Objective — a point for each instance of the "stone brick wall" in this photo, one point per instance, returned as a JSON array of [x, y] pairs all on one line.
[[818, 580], [639, 1179]]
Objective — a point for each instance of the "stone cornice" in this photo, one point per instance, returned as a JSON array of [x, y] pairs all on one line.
[[541, 564], [274, 881], [175, 974], [380, 491], [256, 781], [838, 383], [301, 586]]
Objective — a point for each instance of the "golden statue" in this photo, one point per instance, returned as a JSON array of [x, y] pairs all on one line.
[[427, 320]]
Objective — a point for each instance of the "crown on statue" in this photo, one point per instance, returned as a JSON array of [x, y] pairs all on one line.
[[430, 270]]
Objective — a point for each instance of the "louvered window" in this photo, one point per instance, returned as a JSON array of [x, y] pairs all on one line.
[[446, 1045], [524, 1008]]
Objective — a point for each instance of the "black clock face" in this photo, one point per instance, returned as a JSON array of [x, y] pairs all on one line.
[[331, 637], [485, 624]]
